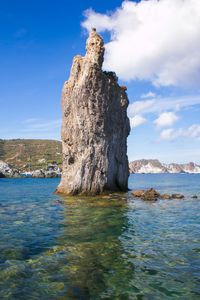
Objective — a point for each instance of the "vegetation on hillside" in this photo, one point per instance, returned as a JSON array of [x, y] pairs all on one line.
[[29, 154]]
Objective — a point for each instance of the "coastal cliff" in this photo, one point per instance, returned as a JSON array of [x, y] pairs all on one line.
[[95, 126], [154, 166]]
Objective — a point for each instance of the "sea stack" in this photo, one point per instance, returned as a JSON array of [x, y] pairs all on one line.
[[95, 126]]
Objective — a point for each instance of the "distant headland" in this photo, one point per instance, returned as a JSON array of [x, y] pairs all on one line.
[[43, 159]]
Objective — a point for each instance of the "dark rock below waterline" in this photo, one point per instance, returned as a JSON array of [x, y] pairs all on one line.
[[2, 175], [194, 197]]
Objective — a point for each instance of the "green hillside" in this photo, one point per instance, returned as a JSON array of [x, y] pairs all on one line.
[[28, 155]]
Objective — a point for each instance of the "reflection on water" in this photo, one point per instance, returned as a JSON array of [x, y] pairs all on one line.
[[97, 263], [110, 247]]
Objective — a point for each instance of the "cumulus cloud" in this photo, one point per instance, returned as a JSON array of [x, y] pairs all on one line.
[[153, 40], [136, 121], [193, 132], [140, 107], [166, 134], [166, 119]]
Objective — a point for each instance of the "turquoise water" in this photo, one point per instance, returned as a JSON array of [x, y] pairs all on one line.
[[111, 247]]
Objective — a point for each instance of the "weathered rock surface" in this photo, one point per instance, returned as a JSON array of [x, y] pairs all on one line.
[[150, 195], [138, 193], [38, 174], [154, 166], [95, 126], [165, 196], [177, 196], [8, 170]]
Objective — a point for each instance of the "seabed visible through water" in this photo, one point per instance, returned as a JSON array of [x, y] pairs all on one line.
[[110, 247]]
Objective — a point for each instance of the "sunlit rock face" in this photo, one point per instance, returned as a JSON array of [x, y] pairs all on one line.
[[95, 126]]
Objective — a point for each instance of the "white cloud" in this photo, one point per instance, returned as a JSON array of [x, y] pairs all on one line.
[[152, 40], [136, 121], [166, 119], [193, 132], [166, 134], [140, 107], [160, 105], [148, 95]]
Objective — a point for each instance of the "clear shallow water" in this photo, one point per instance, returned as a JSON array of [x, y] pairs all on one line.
[[99, 248]]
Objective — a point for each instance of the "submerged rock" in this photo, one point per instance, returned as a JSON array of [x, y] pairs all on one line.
[[95, 126], [194, 197]]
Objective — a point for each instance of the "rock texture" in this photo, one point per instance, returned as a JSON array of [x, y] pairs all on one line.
[[154, 166], [8, 171], [95, 126]]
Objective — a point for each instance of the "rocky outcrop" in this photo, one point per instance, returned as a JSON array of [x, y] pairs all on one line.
[[152, 195], [51, 172], [8, 171], [38, 174], [95, 126], [177, 196], [148, 195], [154, 166]]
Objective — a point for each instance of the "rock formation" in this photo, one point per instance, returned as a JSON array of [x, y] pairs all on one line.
[[154, 166], [95, 126]]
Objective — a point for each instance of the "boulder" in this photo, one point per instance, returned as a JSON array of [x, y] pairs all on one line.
[[138, 193], [51, 174], [8, 170], [165, 196], [95, 126], [177, 196], [38, 174], [150, 195], [194, 197]]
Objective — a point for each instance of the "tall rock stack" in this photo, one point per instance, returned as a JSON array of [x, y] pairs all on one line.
[[95, 126]]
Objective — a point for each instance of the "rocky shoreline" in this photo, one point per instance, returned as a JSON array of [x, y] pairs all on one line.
[[7, 171], [53, 171]]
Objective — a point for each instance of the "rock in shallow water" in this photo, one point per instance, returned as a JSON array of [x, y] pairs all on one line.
[[165, 196], [177, 196], [150, 195], [95, 127]]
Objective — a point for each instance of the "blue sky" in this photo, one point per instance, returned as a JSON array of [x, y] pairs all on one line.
[[154, 53]]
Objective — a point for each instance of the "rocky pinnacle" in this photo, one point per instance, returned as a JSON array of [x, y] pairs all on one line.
[[95, 126]]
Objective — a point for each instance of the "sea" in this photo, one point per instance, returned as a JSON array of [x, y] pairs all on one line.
[[103, 247]]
